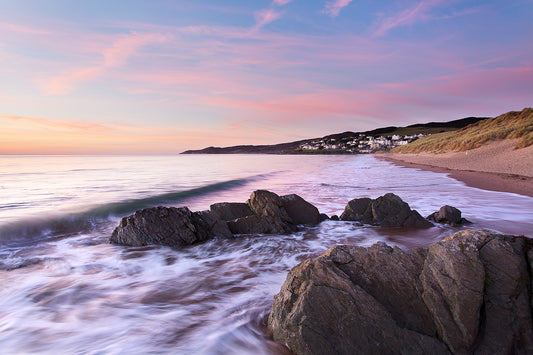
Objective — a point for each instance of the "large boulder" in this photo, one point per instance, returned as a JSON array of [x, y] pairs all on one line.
[[448, 215], [469, 293], [386, 211], [170, 226]]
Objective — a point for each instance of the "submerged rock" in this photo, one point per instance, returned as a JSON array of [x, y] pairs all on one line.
[[170, 226], [469, 293], [449, 215], [386, 211]]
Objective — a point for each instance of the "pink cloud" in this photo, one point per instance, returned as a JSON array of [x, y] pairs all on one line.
[[334, 7], [281, 2], [13, 27], [114, 56], [62, 125], [264, 17], [417, 13]]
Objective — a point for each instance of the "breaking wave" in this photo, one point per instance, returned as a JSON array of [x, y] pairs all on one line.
[[56, 226]]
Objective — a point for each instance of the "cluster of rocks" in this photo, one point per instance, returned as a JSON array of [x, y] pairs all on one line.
[[470, 293], [386, 211], [264, 213]]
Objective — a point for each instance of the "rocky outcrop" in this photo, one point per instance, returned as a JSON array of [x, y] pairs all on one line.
[[264, 213], [448, 215], [174, 227], [386, 211], [467, 294]]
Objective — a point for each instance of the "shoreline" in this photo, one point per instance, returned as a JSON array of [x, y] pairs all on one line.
[[502, 182]]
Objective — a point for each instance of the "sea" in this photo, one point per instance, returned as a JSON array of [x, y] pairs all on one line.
[[64, 289]]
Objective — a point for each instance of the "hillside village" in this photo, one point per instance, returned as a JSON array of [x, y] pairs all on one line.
[[359, 144]]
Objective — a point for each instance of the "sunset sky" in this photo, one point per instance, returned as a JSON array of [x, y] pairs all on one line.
[[132, 76]]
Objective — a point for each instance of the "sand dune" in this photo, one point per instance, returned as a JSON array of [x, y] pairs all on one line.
[[494, 166]]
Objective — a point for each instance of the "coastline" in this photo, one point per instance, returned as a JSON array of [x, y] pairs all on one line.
[[496, 166]]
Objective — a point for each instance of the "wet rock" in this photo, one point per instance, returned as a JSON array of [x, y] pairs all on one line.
[[449, 215], [300, 211], [229, 211], [386, 211], [170, 226], [273, 218], [273, 214], [211, 224], [469, 293]]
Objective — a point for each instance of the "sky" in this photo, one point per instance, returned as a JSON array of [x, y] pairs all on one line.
[[160, 77]]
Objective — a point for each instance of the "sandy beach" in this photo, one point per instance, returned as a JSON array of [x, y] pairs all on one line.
[[496, 166]]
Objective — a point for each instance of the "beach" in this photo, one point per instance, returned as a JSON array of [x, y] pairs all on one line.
[[496, 166]]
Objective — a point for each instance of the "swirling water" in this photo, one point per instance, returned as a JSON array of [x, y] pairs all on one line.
[[65, 289]]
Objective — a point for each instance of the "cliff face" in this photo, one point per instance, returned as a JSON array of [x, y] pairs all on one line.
[[469, 293]]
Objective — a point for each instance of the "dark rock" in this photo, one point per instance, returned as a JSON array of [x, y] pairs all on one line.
[[447, 214], [273, 217], [229, 211], [386, 211], [209, 223], [270, 214], [334, 217], [168, 226], [300, 211], [469, 293], [358, 209], [324, 217]]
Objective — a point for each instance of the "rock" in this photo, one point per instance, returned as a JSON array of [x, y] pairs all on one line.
[[255, 225], [210, 223], [273, 217], [300, 211], [358, 209], [229, 211], [449, 215], [469, 293], [170, 226], [324, 217], [271, 214], [386, 211]]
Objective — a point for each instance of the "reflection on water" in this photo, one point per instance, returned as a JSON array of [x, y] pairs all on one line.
[[75, 293]]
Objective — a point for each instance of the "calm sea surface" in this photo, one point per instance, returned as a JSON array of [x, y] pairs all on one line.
[[65, 289]]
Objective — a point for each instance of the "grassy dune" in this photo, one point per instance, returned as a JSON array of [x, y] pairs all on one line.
[[514, 124]]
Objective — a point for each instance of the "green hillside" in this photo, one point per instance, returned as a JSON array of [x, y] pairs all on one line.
[[514, 124]]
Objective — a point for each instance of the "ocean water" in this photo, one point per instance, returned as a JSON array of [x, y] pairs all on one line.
[[65, 289]]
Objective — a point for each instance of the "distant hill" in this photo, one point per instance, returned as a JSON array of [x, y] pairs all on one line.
[[291, 147], [514, 124]]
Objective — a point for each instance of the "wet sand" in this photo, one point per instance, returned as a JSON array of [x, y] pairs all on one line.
[[496, 166]]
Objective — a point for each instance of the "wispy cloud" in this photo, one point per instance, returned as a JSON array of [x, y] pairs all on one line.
[[281, 2], [15, 27], [114, 56], [417, 13], [62, 125], [334, 7], [264, 17]]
